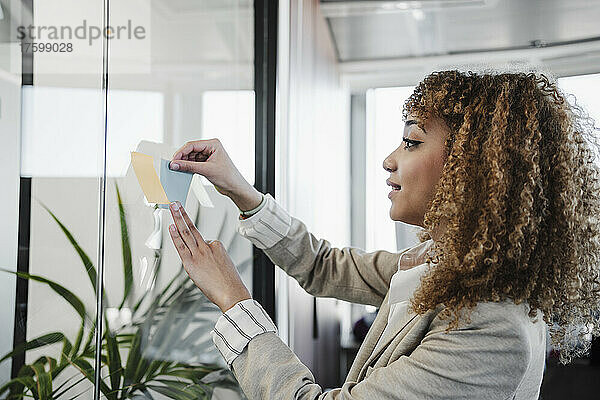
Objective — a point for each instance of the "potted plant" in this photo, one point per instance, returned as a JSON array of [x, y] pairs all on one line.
[[160, 323]]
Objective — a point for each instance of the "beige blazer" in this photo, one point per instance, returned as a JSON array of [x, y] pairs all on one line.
[[499, 355]]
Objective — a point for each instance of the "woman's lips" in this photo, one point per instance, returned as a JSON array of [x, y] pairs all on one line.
[[391, 193]]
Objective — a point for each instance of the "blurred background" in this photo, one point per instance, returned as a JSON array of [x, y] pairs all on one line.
[[306, 97]]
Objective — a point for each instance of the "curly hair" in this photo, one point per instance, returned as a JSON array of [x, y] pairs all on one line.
[[520, 198]]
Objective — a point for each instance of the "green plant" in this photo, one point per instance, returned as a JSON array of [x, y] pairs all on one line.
[[155, 329]]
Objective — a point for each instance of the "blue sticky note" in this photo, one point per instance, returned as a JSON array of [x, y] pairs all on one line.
[[175, 183]]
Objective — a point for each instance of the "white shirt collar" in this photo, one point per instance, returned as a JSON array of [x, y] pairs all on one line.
[[405, 282]]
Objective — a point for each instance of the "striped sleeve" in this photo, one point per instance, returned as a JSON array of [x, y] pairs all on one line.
[[237, 326], [268, 226]]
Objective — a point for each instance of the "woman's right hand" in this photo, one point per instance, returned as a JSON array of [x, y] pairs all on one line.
[[209, 159]]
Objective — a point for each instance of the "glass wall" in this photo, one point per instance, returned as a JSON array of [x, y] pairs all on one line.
[[194, 81], [76, 101], [56, 142]]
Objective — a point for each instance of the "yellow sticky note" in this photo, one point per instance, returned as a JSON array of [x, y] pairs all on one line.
[[148, 179]]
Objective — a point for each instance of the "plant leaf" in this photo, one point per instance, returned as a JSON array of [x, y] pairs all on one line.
[[126, 248], [146, 393], [66, 350], [47, 360], [88, 371], [154, 366], [201, 391], [49, 338], [172, 392], [115, 369], [75, 347], [194, 374], [88, 342], [18, 384], [65, 293], [44, 381], [157, 301], [87, 263], [132, 361], [57, 392]]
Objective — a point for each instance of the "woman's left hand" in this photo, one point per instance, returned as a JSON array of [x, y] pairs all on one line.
[[206, 263]]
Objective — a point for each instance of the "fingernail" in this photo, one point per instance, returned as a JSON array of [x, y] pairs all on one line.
[[174, 166], [175, 206]]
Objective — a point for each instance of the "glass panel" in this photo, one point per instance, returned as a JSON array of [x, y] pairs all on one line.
[[191, 79], [10, 126], [52, 154]]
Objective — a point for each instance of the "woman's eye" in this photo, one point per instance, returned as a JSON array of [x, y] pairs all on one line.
[[412, 143]]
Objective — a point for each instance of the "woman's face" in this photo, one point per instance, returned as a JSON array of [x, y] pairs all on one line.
[[416, 166]]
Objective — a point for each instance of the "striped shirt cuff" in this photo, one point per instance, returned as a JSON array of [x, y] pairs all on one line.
[[237, 326], [268, 226], [259, 207]]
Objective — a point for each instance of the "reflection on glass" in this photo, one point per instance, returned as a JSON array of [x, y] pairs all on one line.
[[197, 84], [54, 170], [188, 76]]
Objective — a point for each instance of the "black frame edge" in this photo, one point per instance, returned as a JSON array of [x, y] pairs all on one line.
[[22, 289], [265, 80]]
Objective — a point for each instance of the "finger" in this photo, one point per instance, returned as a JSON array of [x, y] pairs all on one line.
[[199, 157], [183, 151], [183, 229], [217, 245], [191, 226], [197, 146], [197, 167], [184, 252]]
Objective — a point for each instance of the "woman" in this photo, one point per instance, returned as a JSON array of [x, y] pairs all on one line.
[[498, 170]]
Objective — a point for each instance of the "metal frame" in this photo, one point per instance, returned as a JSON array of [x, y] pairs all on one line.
[[265, 80], [22, 290], [22, 284]]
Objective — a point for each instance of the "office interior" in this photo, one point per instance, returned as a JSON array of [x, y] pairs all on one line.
[[306, 97]]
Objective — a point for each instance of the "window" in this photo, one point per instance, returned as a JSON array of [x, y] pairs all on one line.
[[585, 90], [384, 132]]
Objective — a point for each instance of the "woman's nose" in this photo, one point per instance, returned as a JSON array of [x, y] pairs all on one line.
[[388, 165]]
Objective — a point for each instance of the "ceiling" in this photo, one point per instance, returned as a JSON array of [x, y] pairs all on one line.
[[374, 30], [396, 43], [378, 43]]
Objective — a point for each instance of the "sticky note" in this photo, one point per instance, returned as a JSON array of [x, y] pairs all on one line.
[[175, 183], [143, 167], [170, 185]]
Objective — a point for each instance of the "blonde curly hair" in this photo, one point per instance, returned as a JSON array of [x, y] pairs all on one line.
[[521, 199]]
